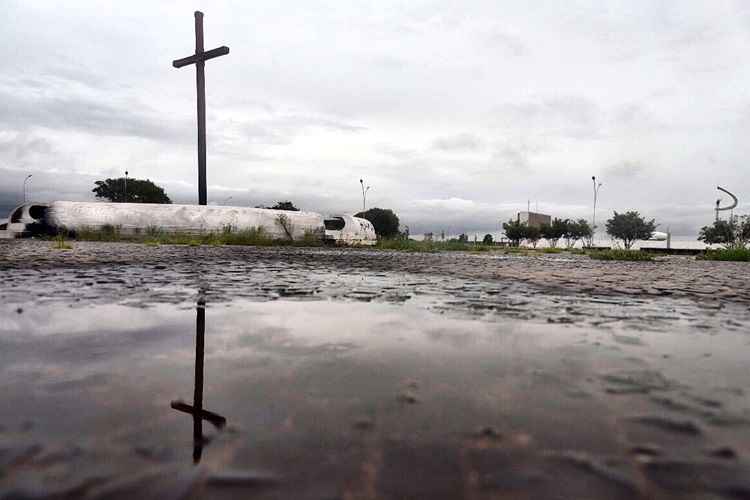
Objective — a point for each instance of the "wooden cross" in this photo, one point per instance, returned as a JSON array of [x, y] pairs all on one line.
[[196, 409], [199, 59]]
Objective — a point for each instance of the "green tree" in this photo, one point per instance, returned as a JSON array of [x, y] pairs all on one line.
[[384, 220], [576, 230], [134, 191], [630, 227], [584, 231], [463, 238], [553, 232], [514, 231], [284, 205], [730, 233], [533, 235], [488, 239]]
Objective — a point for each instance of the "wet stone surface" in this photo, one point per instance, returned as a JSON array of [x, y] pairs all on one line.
[[358, 374]]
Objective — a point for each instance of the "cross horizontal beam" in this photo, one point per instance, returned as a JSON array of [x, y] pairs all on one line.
[[212, 417], [203, 56]]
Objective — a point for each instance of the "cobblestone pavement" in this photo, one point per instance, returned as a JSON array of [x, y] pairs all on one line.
[[670, 276]]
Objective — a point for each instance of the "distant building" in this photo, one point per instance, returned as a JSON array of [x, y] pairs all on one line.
[[533, 218]]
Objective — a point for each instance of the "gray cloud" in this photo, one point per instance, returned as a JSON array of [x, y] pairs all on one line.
[[131, 119], [573, 116], [313, 97], [280, 130], [23, 147], [399, 153], [512, 44], [457, 143], [625, 170]]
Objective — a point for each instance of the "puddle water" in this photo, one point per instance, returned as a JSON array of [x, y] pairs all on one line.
[[385, 386]]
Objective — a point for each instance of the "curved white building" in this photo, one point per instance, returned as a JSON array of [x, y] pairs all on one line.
[[131, 218]]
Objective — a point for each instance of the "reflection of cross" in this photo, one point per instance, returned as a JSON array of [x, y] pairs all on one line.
[[199, 59], [196, 410]]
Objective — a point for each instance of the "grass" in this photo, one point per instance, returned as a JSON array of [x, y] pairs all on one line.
[[107, 232], [60, 243], [440, 246], [408, 245], [618, 254], [153, 236], [739, 254], [455, 246]]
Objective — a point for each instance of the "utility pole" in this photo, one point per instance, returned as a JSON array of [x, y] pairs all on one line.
[[125, 191], [24, 187], [593, 219], [364, 194]]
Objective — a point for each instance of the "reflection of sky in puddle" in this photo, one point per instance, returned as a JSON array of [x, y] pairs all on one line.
[[300, 379]]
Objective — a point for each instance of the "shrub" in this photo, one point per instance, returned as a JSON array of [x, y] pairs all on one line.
[[737, 254], [285, 223]]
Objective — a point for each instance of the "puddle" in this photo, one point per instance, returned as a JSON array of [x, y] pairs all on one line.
[[300, 384]]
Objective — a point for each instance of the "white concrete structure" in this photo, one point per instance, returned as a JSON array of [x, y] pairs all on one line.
[[130, 218], [135, 217], [350, 230], [22, 221]]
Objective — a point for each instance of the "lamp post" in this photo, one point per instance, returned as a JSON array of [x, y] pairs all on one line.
[[596, 194], [24, 187], [364, 194], [125, 190]]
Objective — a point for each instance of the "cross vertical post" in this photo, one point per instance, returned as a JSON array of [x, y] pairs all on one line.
[[200, 86], [200, 331], [199, 59], [196, 409]]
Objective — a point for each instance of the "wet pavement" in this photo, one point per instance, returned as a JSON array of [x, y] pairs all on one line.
[[129, 371]]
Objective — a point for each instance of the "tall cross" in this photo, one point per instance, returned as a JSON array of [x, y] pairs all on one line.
[[196, 409], [199, 59]]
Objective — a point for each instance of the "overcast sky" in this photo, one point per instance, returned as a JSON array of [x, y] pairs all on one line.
[[456, 113]]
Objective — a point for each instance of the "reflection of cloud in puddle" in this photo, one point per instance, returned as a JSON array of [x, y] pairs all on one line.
[[451, 337], [627, 340]]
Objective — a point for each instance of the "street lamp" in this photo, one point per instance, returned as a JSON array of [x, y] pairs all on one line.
[[24, 187], [125, 190], [364, 194], [596, 194]]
